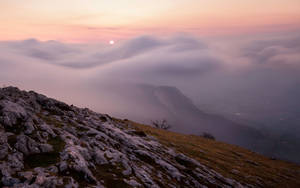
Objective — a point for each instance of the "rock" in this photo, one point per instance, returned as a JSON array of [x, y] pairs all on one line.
[[12, 114], [47, 143], [173, 171], [99, 157], [52, 169], [77, 163], [133, 183], [46, 128], [27, 145], [3, 151], [28, 175], [72, 184], [45, 148], [29, 128], [9, 181], [186, 161], [16, 160], [3, 145], [63, 166]]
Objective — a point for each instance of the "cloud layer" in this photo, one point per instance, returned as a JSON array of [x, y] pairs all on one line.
[[257, 77]]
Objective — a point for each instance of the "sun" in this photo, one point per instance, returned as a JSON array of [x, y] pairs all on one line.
[[111, 42]]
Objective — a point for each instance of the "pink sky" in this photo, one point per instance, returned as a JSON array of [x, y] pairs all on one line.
[[95, 20]]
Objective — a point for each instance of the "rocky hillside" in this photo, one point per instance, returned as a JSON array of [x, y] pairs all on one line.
[[47, 143]]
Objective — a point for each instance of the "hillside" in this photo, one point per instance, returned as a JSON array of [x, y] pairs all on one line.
[[47, 143], [232, 161]]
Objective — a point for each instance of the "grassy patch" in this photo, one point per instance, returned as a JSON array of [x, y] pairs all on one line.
[[225, 158], [46, 159], [79, 177], [57, 143], [111, 175], [50, 120], [139, 133], [103, 119], [41, 160], [12, 140], [81, 129]]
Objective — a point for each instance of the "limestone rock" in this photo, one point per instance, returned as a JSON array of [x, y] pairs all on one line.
[[47, 143]]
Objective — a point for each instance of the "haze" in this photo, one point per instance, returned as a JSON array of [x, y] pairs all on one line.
[[170, 60]]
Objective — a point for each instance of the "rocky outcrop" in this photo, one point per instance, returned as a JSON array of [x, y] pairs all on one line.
[[47, 143]]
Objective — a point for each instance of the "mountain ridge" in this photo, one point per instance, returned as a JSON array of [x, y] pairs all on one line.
[[196, 121]]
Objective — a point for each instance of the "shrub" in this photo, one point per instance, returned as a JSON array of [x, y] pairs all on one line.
[[161, 124], [208, 136]]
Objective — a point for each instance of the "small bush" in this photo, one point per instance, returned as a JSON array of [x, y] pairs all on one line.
[[208, 136], [161, 124]]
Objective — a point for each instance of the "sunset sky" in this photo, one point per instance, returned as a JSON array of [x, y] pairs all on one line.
[[97, 20]]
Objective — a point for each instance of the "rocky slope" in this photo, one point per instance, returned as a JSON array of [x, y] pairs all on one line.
[[47, 143]]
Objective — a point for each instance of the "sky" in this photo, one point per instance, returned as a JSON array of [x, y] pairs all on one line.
[[103, 20]]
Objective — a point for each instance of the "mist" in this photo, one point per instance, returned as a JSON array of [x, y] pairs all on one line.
[[251, 81]]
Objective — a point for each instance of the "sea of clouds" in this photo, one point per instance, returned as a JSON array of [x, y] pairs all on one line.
[[255, 76]]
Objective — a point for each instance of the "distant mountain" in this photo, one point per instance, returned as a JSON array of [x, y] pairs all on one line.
[[145, 103], [47, 143], [187, 118]]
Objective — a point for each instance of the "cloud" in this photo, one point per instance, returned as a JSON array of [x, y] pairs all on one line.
[[213, 72], [278, 51]]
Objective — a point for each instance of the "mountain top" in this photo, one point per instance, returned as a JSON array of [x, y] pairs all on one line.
[[47, 143]]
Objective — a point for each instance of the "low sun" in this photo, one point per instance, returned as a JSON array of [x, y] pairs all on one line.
[[111, 42]]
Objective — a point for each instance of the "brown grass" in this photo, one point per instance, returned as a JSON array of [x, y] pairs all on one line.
[[231, 161]]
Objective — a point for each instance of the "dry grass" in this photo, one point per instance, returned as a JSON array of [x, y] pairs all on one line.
[[229, 160]]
